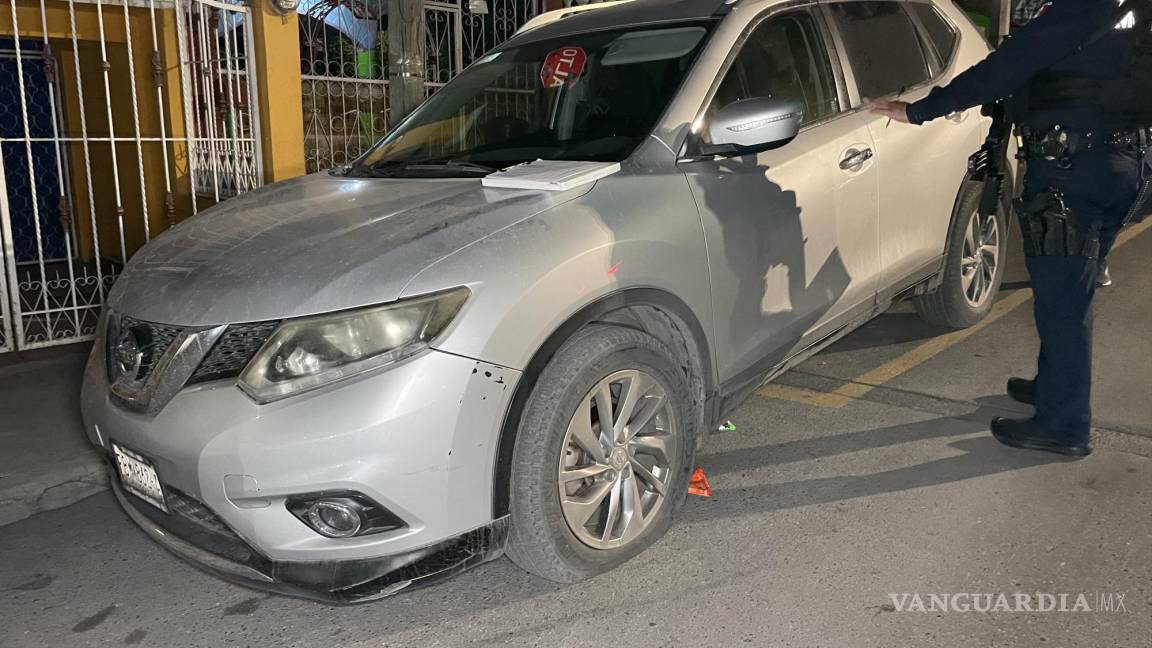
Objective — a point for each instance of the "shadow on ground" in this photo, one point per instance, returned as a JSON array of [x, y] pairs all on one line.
[[148, 580], [977, 457], [886, 330], [500, 583]]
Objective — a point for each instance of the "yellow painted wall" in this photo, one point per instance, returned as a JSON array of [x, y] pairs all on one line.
[[278, 104], [28, 16], [95, 183], [278, 91]]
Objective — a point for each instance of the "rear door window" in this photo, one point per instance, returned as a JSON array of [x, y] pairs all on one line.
[[942, 37], [882, 46]]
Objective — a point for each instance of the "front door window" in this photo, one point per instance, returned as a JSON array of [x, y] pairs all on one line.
[[784, 58]]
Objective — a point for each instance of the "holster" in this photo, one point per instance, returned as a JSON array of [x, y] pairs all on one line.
[[1050, 229], [1143, 204]]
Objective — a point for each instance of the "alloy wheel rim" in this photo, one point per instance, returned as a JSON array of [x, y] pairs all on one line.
[[980, 258], [617, 459]]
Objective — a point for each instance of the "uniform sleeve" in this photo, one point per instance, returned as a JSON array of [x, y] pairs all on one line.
[[1046, 40]]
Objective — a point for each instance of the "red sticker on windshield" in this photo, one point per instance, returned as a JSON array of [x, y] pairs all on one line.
[[562, 67]]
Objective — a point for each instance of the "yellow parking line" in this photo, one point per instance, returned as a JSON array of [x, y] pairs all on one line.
[[830, 400], [859, 386], [1132, 232], [920, 354]]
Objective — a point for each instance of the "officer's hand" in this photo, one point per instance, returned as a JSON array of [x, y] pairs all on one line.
[[897, 110]]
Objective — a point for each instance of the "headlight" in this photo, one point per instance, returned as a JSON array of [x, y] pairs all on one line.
[[310, 352]]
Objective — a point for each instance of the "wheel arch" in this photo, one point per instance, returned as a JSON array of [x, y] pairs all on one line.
[[654, 311], [1005, 204]]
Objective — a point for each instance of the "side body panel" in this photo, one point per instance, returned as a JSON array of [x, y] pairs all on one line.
[[791, 241], [792, 237], [635, 229], [921, 169]]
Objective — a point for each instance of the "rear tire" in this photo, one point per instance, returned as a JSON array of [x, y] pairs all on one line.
[[973, 266], [560, 437]]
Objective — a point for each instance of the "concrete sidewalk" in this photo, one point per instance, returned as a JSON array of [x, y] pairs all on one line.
[[45, 460]]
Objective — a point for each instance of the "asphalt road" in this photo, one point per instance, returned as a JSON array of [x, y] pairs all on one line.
[[868, 472]]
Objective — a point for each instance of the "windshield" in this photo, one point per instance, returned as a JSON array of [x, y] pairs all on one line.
[[592, 97]]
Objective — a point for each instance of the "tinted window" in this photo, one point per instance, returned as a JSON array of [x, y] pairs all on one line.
[[940, 32], [882, 46], [784, 57]]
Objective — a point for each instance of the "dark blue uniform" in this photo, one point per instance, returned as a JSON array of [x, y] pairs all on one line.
[[1047, 44], [1095, 187]]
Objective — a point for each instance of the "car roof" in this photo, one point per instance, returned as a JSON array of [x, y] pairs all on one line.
[[627, 14]]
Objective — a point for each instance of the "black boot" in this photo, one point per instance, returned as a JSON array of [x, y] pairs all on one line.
[[1103, 277], [1024, 433], [1022, 390]]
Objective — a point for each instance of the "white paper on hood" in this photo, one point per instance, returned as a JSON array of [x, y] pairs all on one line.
[[550, 175]]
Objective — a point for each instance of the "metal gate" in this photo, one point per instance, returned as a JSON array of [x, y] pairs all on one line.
[[344, 64], [117, 119]]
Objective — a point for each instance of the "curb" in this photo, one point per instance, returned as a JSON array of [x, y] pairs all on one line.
[[65, 485], [1122, 441]]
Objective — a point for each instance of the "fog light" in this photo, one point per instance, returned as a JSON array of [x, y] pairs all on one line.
[[342, 514], [335, 518]]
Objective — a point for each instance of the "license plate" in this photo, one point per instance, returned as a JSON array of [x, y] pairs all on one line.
[[138, 476]]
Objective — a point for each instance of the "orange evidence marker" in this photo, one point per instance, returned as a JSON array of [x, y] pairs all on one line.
[[699, 484]]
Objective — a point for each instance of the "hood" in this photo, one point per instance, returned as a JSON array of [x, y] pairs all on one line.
[[314, 244]]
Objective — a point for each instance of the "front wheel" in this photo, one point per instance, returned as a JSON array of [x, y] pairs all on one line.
[[973, 267], [603, 455]]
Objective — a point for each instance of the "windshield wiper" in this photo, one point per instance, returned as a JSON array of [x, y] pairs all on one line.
[[456, 165], [361, 170], [393, 168]]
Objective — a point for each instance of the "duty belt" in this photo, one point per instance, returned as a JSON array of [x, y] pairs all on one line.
[[1061, 144]]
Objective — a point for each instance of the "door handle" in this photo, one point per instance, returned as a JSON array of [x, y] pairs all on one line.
[[855, 158]]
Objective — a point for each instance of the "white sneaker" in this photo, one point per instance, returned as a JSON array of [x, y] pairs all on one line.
[[1103, 277]]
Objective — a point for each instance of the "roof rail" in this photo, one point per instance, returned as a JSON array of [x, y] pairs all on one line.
[[557, 14]]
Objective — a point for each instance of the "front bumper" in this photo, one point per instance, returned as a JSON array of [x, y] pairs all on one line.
[[419, 438], [211, 546]]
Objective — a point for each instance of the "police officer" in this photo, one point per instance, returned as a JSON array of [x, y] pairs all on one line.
[[1084, 126], [1022, 14]]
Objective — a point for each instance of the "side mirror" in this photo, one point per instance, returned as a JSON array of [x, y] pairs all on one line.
[[754, 125]]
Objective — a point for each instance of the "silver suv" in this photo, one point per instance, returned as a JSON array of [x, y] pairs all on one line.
[[508, 327]]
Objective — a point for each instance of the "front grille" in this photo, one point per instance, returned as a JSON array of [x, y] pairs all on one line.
[[154, 340], [233, 351]]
